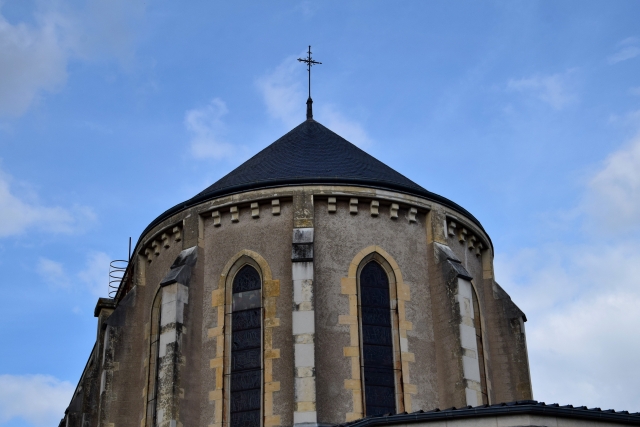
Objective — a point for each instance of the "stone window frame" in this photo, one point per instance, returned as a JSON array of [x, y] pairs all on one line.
[[348, 288], [241, 262], [219, 297], [395, 328]]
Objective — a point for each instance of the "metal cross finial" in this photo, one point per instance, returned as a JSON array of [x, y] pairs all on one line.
[[310, 62]]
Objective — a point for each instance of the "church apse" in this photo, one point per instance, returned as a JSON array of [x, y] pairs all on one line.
[[320, 290]]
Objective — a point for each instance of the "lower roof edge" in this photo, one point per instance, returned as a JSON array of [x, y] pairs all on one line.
[[526, 407]]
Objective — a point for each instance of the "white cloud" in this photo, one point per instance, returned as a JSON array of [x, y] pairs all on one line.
[[285, 98], [627, 49], [613, 197], [38, 399], [625, 53], [348, 129], [205, 125], [53, 273], [34, 58], [581, 302], [587, 351], [283, 92], [95, 275], [631, 118], [582, 299], [554, 89], [105, 28], [629, 41], [19, 214], [308, 8]]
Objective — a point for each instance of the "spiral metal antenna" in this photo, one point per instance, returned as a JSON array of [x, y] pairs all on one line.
[[117, 273], [117, 269]]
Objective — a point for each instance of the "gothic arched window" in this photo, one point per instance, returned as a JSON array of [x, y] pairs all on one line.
[[246, 349], [377, 341]]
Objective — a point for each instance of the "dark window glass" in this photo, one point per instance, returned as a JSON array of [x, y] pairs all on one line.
[[246, 349], [377, 342], [247, 279]]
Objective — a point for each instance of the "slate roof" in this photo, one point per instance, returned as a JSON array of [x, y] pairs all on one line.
[[311, 154], [521, 407]]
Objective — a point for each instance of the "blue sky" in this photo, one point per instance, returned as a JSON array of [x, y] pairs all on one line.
[[525, 113]]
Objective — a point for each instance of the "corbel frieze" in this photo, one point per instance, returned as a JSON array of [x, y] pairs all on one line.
[[161, 241], [465, 235], [374, 208], [234, 210]]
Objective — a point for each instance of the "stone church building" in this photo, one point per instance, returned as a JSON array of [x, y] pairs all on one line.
[[313, 286]]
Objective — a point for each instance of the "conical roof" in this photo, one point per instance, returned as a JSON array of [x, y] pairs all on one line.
[[311, 154], [307, 155]]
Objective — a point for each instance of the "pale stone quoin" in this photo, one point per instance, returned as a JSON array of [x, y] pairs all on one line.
[[313, 286]]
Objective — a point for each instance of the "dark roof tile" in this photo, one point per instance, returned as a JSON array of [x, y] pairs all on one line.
[[311, 154], [307, 155], [506, 408]]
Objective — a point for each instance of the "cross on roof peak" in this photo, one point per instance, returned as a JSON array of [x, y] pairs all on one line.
[[310, 62]]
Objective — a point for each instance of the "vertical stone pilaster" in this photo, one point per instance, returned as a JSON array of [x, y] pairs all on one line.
[[303, 312], [190, 231], [436, 226], [470, 360], [174, 298], [487, 283], [457, 333], [175, 295], [113, 340], [107, 368]]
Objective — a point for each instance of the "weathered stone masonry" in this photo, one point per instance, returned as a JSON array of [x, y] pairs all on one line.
[[308, 212], [303, 311]]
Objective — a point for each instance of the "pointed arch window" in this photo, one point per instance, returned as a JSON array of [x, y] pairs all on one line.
[[377, 322], [245, 376]]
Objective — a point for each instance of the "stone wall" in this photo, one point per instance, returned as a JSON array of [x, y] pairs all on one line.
[[265, 237], [330, 231], [340, 236]]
